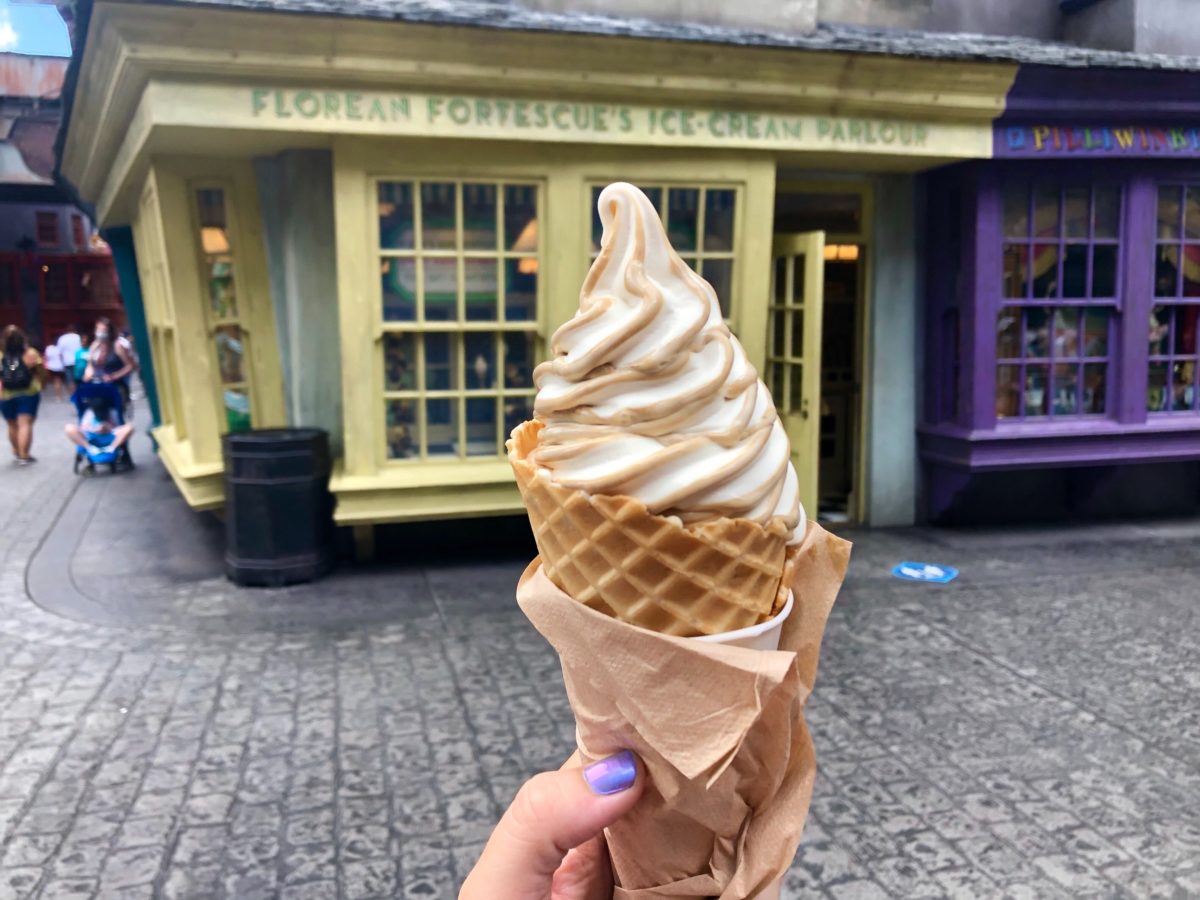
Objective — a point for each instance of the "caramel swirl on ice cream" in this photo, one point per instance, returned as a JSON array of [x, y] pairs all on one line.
[[649, 395]]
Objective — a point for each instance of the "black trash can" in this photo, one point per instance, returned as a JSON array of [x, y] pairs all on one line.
[[278, 509]]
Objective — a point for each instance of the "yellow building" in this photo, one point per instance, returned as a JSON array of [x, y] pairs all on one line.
[[374, 225]]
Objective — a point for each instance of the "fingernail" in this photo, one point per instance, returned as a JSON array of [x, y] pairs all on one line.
[[612, 775]]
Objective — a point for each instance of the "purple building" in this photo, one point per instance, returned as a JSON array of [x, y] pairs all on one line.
[[1064, 304]]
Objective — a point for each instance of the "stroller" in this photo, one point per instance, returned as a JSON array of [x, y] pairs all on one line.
[[101, 456]]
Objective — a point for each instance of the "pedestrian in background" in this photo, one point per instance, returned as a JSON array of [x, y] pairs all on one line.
[[54, 370], [69, 344], [82, 358], [21, 379]]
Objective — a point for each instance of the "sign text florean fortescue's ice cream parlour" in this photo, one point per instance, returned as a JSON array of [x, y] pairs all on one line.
[[451, 115]]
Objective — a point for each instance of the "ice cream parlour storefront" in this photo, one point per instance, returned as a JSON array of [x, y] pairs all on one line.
[[379, 254]]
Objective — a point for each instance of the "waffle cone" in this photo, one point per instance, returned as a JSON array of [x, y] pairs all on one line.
[[614, 555]]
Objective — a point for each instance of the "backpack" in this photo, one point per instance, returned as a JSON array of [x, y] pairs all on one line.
[[14, 374]]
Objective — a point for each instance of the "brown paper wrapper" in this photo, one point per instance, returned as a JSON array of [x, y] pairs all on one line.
[[720, 730]]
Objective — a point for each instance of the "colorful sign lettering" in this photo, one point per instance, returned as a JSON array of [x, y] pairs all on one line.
[[1032, 141]]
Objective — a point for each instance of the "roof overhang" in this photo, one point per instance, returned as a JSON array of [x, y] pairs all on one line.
[[156, 79]]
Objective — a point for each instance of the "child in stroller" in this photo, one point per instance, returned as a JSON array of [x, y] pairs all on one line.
[[102, 434]]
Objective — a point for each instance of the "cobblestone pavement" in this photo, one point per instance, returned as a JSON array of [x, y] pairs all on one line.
[[1030, 730]]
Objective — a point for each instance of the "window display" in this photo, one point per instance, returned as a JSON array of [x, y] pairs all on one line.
[[218, 269], [1059, 296], [1172, 382], [459, 294]]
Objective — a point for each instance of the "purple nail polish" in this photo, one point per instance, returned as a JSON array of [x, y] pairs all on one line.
[[612, 775]]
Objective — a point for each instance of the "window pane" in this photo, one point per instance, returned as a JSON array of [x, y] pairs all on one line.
[[1160, 330], [437, 217], [1045, 212], [1066, 333], [1183, 386], [718, 220], [520, 218], [401, 428], [441, 427], [399, 362], [516, 411], [1016, 270], [222, 289], [1166, 271], [797, 333], [1191, 270], [1008, 391], [519, 359], [1037, 321], [439, 362], [210, 205], [481, 289], [780, 286], [1168, 211], [1075, 261], [1157, 392], [1066, 390], [479, 360], [399, 277], [520, 289], [719, 273], [237, 409], [1185, 330], [1016, 210], [1095, 331], [481, 426], [1095, 387], [597, 226], [1191, 214], [795, 387], [775, 381], [1075, 211], [441, 288], [1104, 270], [798, 263], [395, 215], [230, 354], [1008, 324], [1107, 213], [682, 217], [778, 332], [479, 216], [1035, 391], [1045, 270]]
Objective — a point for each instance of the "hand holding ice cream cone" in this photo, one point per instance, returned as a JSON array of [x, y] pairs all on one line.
[[659, 484]]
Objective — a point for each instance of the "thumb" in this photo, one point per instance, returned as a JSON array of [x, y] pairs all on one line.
[[552, 813]]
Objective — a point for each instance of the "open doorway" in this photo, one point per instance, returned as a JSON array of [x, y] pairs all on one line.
[[841, 210]]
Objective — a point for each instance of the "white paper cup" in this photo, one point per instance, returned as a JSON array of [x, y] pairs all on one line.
[[764, 636]]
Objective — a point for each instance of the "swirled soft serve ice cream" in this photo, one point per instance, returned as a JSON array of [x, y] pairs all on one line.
[[656, 472]]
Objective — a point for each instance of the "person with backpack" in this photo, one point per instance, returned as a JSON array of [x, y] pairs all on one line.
[[21, 380]]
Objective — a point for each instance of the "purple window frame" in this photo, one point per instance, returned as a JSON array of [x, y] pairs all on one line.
[[1180, 302], [1065, 302], [960, 399]]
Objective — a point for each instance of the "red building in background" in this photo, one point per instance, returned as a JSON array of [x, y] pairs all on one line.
[[55, 269]]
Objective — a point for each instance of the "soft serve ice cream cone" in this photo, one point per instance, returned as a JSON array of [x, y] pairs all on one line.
[[656, 472]]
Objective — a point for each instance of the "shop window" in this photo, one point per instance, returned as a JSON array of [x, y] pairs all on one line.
[[460, 284], [1055, 329], [218, 271], [56, 282], [8, 283], [46, 224], [700, 221], [77, 232], [1174, 321]]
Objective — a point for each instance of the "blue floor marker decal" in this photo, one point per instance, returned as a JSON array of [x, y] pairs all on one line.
[[918, 571]]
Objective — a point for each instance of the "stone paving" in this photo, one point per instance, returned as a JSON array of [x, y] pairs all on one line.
[[1030, 730]]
